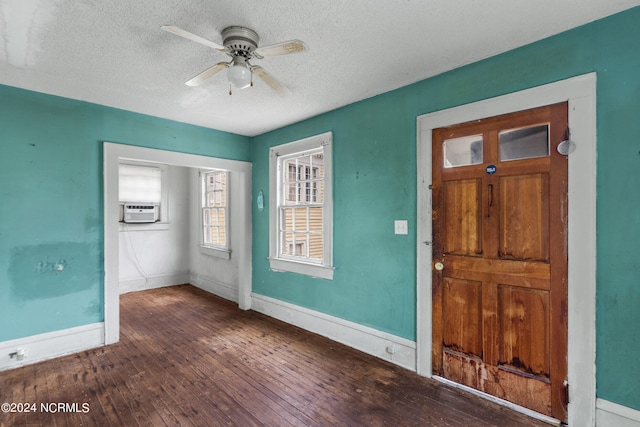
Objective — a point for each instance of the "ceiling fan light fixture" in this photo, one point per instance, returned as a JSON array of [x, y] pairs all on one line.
[[241, 44], [239, 74]]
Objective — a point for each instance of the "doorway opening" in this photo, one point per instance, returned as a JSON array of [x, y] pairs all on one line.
[[114, 154]]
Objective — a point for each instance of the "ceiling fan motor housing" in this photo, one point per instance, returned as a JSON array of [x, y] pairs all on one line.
[[240, 41]]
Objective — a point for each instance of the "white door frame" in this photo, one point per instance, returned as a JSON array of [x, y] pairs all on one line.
[[113, 153], [580, 92]]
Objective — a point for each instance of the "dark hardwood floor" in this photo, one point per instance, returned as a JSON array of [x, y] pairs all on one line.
[[187, 358]]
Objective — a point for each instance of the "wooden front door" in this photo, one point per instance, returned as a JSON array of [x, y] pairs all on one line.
[[500, 257]]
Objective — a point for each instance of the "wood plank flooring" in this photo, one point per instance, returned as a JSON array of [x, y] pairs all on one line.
[[188, 358]]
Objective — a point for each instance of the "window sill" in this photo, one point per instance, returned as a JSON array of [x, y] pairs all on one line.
[[313, 270], [215, 252], [149, 226]]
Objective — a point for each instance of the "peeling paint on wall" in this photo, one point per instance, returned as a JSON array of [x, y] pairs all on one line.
[[52, 270]]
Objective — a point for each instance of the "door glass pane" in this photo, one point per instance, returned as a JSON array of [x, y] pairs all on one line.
[[463, 151], [524, 143]]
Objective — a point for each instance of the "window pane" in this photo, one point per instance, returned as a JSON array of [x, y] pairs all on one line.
[[297, 245], [300, 219], [221, 217], [223, 236], [214, 217], [320, 192], [223, 196], [214, 236], [299, 222], [286, 219], [318, 165], [302, 179], [315, 219], [290, 170], [316, 247], [288, 246], [463, 151], [305, 195], [524, 143], [290, 193], [139, 183], [214, 203]]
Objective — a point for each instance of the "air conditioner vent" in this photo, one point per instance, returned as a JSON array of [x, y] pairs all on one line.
[[140, 212]]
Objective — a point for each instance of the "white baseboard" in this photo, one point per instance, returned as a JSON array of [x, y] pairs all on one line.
[[609, 414], [37, 348], [209, 284], [152, 282], [398, 350]]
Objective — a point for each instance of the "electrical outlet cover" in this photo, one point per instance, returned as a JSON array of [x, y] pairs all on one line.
[[401, 226]]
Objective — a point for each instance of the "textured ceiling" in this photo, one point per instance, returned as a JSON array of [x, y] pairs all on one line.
[[114, 52]]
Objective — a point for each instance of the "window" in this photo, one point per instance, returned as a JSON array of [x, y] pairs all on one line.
[[524, 143], [140, 183], [147, 183], [214, 205], [302, 209], [462, 151]]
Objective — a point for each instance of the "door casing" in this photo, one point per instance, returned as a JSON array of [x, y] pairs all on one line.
[[580, 92]]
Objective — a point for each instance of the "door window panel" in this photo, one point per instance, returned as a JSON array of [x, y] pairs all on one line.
[[524, 143], [463, 151]]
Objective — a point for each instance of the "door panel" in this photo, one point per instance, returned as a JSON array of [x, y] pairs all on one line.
[[524, 217], [463, 316], [499, 221], [523, 314], [462, 217]]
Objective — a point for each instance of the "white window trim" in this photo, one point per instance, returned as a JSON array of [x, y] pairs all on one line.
[[218, 251], [221, 253], [163, 224], [324, 269]]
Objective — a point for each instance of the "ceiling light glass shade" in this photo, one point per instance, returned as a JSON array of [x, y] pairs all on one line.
[[239, 76]]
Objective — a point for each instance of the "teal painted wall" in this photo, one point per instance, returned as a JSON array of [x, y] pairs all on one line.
[[375, 183], [51, 220], [51, 194]]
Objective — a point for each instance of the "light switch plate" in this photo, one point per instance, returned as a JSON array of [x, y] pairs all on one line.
[[401, 226]]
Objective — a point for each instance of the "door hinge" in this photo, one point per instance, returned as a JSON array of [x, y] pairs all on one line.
[[430, 187], [566, 392]]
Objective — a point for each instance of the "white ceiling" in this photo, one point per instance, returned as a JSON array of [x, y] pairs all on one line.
[[114, 53]]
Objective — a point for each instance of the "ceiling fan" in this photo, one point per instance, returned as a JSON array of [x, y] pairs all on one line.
[[241, 44]]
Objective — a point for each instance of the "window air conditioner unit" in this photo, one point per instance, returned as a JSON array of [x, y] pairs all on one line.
[[140, 212]]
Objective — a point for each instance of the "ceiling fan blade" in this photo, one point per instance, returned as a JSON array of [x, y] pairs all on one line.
[[270, 80], [200, 78], [284, 48], [189, 36]]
